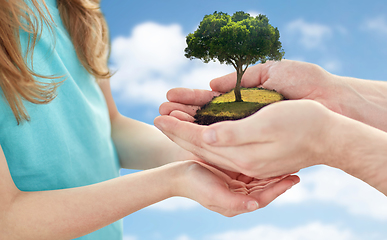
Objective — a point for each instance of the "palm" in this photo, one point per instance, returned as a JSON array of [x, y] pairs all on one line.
[[227, 187]]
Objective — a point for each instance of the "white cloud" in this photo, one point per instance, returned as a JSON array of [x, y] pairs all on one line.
[[336, 187], [377, 24], [151, 47], [311, 35], [315, 231], [151, 61], [200, 74], [174, 204], [145, 60]]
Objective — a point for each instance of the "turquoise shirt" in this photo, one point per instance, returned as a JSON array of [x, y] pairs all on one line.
[[68, 142]]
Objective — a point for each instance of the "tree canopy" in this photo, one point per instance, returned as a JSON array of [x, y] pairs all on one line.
[[239, 40]]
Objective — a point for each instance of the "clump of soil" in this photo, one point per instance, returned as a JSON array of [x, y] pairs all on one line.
[[224, 107]]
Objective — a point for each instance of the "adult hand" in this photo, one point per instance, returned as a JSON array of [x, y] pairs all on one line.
[[279, 139], [293, 79], [229, 193], [362, 100]]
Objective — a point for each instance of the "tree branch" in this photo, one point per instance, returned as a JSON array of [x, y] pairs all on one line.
[[247, 64], [234, 64], [232, 58]]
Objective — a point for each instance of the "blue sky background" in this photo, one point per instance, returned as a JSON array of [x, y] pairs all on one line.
[[344, 37]]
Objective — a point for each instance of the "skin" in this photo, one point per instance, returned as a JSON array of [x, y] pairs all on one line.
[[362, 100], [332, 120], [74, 212]]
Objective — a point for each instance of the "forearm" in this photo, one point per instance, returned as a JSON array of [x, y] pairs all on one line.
[[142, 146], [139, 145], [71, 213], [359, 150], [365, 101]]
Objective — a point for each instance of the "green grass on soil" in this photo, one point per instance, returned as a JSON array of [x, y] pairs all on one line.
[[224, 107], [253, 100]]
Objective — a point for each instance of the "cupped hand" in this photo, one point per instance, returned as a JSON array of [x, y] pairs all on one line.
[[230, 193], [295, 80], [279, 139]]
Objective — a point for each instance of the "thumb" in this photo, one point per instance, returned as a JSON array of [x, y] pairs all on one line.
[[253, 77], [235, 133], [224, 83]]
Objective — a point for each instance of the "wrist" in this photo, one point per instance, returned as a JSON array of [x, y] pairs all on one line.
[[363, 100], [177, 175]]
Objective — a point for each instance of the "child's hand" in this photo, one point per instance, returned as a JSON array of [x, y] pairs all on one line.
[[229, 193]]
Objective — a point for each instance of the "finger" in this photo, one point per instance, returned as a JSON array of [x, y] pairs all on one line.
[[231, 174], [253, 77], [187, 96], [235, 133], [167, 107], [182, 116], [257, 75], [187, 131], [271, 193], [224, 83], [234, 157], [231, 204], [188, 136], [244, 178]]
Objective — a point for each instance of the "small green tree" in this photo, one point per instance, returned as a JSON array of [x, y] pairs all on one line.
[[239, 40]]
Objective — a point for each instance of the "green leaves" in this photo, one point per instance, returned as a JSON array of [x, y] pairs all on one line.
[[240, 16], [239, 39]]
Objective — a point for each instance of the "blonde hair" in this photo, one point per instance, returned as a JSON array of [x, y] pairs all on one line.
[[89, 33]]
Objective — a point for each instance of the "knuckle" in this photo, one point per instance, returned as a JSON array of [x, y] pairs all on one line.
[[226, 133]]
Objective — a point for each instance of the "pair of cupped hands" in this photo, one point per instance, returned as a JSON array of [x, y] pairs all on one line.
[[255, 158]]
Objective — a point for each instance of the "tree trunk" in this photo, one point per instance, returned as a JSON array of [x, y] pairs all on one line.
[[237, 89]]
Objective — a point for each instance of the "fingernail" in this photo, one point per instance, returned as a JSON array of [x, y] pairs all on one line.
[[209, 136], [252, 206]]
